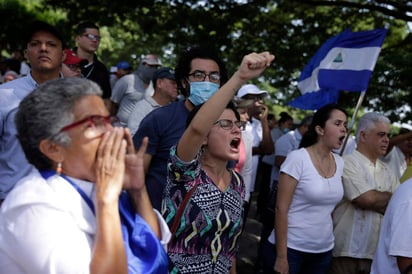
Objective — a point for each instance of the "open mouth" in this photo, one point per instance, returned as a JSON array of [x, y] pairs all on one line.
[[235, 143], [342, 138]]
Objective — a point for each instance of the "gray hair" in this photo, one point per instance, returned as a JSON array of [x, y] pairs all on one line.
[[44, 112], [368, 121]]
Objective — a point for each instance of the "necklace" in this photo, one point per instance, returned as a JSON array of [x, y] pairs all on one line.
[[90, 71], [325, 168]]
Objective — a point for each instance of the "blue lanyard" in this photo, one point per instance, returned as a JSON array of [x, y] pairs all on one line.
[[48, 173]]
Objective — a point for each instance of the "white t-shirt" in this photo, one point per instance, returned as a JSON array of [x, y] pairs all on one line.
[[247, 167], [396, 160], [254, 129], [395, 235], [310, 227]]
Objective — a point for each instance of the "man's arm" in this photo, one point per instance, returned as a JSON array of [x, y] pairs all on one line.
[[373, 200], [266, 147], [396, 140], [404, 264], [117, 95], [279, 160], [112, 107]]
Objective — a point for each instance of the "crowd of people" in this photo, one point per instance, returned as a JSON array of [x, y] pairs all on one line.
[[153, 170]]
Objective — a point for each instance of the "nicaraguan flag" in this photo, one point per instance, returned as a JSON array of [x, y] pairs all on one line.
[[344, 62]]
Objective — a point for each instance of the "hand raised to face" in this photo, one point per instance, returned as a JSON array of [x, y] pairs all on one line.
[[110, 165], [134, 175]]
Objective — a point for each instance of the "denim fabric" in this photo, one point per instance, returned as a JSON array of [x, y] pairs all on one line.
[[299, 262]]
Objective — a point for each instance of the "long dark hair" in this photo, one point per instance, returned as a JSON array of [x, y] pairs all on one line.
[[319, 119]]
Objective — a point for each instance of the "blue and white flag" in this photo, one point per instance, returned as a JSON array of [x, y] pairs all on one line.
[[344, 62]]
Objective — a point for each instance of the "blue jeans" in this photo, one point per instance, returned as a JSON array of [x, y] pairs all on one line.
[[299, 262]]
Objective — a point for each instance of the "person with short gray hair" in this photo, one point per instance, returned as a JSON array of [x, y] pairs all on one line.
[[368, 186], [42, 116], [368, 122], [83, 161]]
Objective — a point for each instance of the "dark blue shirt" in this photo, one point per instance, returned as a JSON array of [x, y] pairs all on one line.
[[164, 127]]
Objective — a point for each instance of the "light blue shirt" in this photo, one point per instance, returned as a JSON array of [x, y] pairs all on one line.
[[275, 133], [13, 163], [285, 144]]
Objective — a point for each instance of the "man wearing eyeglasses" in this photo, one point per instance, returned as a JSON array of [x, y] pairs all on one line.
[[44, 51], [199, 74], [88, 41]]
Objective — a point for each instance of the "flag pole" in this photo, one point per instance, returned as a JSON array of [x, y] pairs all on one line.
[[352, 122]]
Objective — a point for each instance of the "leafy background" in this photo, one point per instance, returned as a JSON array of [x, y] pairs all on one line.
[[292, 29]]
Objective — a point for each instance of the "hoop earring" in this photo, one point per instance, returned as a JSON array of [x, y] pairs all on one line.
[[59, 168]]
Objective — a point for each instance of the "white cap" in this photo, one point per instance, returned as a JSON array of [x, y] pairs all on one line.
[[151, 59], [250, 89]]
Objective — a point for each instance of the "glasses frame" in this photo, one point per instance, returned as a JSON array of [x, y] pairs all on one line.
[[256, 97], [92, 36], [112, 120], [230, 124], [213, 74]]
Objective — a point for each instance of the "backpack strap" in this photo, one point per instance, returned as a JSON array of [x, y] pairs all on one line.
[[237, 178], [181, 209]]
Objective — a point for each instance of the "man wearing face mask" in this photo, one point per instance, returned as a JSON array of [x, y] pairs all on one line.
[[131, 88], [199, 74]]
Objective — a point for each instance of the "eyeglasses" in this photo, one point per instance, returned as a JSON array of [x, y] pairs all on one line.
[[96, 122], [228, 124], [92, 36], [200, 76], [254, 97]]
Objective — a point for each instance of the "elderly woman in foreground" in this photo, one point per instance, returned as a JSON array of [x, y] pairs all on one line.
[[71, 215]]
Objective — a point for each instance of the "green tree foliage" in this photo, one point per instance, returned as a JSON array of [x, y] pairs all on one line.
[[292, 29], [16, 16]]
